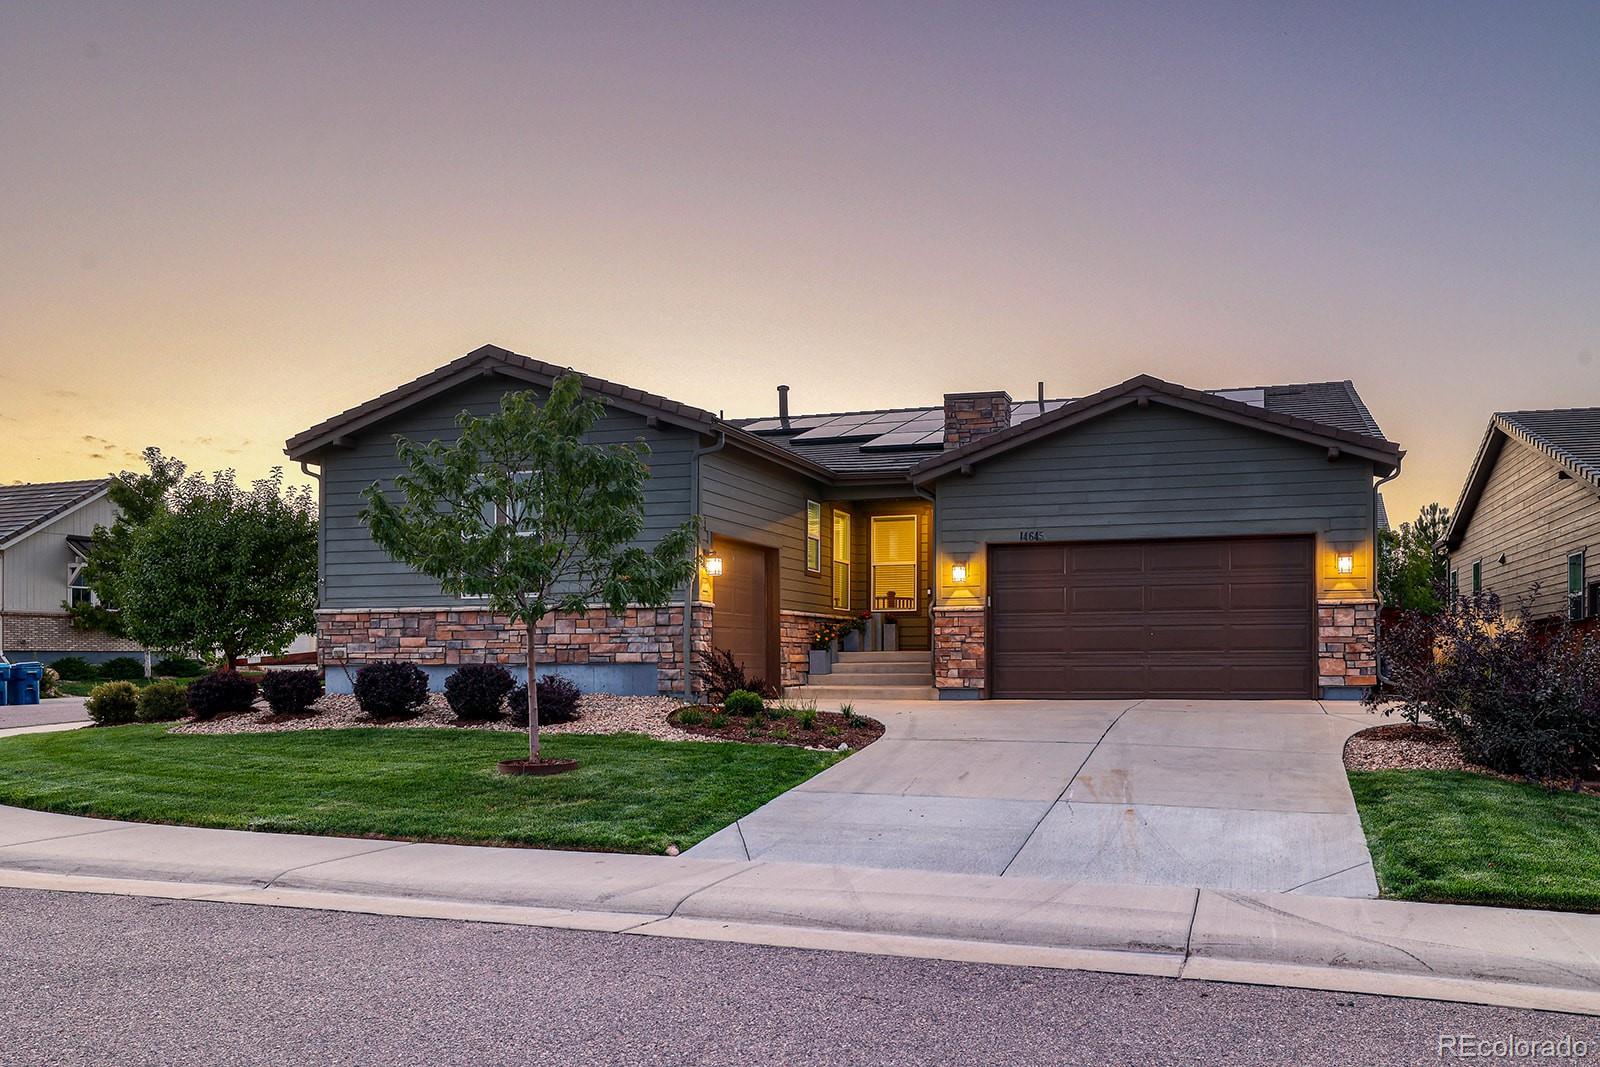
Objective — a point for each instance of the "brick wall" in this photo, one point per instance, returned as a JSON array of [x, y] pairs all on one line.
[[51, 631], [452, 636], [794, 643], [960, 658], [969, 416], [1347, 643]]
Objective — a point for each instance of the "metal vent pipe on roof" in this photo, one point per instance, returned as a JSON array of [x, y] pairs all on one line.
[[783, 406]]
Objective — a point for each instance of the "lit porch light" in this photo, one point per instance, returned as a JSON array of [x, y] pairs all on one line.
[[712, 565], [958, 573], [1347, 563]]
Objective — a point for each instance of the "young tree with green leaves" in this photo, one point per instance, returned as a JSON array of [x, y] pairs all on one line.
[[1412, 564], [222, 570], [138, 498], [520, 509]]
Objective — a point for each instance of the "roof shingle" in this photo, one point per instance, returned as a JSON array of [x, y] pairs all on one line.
[[22, 507]]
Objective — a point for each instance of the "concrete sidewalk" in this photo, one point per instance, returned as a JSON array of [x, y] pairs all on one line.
[[57, 713], [1545, 960]]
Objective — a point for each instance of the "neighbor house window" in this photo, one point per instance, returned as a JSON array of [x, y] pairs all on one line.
[[1477, 577], [894, 562], [841, 559], [498, 513], [78, 591], [1575, 570], [1455, 585], [813, 536]]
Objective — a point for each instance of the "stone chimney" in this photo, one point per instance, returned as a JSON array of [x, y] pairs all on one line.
[[969, 416]]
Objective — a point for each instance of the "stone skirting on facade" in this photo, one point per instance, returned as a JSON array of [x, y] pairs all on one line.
[[449, 637], [1347, 644], [24, 632], [960, 648], [794, 642]]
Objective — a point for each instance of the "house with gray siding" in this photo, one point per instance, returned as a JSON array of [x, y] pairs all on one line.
[[1527, 525], [1146, 540], [45, 532]]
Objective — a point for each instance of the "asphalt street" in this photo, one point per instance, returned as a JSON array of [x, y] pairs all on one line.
[[122, 980]]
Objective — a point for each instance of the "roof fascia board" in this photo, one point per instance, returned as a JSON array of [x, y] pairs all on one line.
[[45, 520]]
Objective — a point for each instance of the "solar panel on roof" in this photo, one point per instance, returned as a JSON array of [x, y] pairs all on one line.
[[799, 422]]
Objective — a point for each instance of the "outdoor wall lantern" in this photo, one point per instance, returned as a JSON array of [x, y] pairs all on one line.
[[958, 573], [1347, 562], [713, 565]]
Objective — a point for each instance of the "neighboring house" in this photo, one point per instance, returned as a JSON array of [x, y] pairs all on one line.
[[1149, 540], [1529, 515], [45, 532]]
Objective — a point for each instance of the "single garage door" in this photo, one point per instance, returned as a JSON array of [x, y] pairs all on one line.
[[744, 619], [1223, 617]]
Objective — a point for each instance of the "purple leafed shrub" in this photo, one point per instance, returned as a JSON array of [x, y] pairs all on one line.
[[220, 692], [291, 692], [390, 689], [1518, 697], [477, 690], [558, 701]]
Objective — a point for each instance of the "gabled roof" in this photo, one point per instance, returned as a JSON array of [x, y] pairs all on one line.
[[1568, 437], [846, 442], [490, 359], [24, 508], [1144, 389]]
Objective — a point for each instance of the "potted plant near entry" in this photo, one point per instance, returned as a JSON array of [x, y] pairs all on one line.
[[819, 660]]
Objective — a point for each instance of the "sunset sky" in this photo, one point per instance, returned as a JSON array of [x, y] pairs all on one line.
[[221, 223]]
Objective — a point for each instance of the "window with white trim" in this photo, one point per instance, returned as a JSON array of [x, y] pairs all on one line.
[[1575, 573], [1477, 576], [894, 563], [813, 536], [841, 559], [78, 591]]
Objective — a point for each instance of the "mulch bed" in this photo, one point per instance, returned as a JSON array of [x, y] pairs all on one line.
[[1404, 747], [829, 731]]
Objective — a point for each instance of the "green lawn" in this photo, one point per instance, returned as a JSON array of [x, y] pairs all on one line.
[[629, 793], [1453, 837]]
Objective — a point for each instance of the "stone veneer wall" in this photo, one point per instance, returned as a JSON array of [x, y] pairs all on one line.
[[794, 643], [448, 637], [1347, 644], [52, 631], [960, 648], [969, 416]]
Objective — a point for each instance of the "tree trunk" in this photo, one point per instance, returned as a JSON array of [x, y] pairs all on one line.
[[533, 701]]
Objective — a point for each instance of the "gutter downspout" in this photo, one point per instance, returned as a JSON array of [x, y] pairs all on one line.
[[692, 590], [1377, 592], [322, 535]]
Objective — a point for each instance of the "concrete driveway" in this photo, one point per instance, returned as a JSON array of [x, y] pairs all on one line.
[[1247, 795], [55, 713]]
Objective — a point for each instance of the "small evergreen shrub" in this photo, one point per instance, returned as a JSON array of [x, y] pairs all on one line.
[[478, 690], [122, 668], [558, 701], [743, 702], [220, 692], [113, 703], [75, 669], [391, 689], [177, 667], [691, 717], [162, 702], [291, 692], [717, 721]]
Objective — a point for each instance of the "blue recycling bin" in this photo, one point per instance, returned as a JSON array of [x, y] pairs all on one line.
[[5, 684], [23, 686]]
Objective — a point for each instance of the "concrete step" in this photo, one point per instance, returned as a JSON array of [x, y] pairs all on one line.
[[839, 677], [886, 657], [888, 666], [838, 694]]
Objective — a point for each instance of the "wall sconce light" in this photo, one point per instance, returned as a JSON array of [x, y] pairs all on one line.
[[1347, 563], [958, 573], [712, 565]]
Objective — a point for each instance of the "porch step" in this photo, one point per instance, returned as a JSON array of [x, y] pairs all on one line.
[[839, 694], [838, 677], [858, 667], [886, 657]]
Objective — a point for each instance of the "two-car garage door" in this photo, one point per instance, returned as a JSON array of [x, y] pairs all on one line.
[[1221, 617]]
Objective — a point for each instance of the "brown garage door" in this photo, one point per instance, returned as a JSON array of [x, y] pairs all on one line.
[[1227, 617], [743, 620]]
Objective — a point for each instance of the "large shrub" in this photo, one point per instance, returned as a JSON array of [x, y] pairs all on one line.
[[291, 692], [478, 690], [390, 689], [177, 667], [220, 692], [1518, 697], [163, 702], [558, 701], [122, 668], [113, 703], [75, 669]]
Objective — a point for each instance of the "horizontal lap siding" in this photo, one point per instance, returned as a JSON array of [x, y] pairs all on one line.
[[1536, 519], [751, 500], [357, 573], [1155, 472], [36, 567]]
